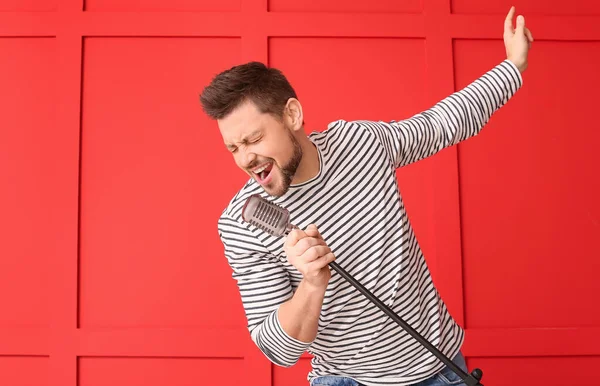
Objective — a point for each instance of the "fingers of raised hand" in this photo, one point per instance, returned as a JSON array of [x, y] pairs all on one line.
[[528, 34], [508, 22], [520, 24]]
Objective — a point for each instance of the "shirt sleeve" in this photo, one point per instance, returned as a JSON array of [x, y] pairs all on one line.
[[263, 285], [452, 120]]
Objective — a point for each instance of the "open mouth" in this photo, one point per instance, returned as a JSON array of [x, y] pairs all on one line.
[[263, 173]]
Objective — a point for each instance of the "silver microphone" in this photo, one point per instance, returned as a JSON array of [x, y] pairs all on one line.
[[267, 216]]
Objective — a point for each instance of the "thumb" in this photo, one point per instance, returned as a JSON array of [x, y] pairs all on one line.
[[520, 25]]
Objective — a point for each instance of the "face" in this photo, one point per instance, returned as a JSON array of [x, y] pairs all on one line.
[[262, 146]]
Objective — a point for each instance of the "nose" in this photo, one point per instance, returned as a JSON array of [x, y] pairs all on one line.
[[248, 159]]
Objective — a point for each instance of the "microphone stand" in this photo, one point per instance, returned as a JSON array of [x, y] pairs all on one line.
[[469, 379]]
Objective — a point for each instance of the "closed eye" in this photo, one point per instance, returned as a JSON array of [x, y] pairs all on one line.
[[255, 140], [233, 148]]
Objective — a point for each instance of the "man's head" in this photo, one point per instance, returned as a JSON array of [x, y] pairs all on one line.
[[261, 122]]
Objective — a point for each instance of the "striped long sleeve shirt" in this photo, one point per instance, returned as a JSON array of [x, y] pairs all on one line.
[[356, 203]]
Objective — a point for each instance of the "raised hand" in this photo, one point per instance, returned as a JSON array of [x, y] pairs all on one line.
[[517, 41]]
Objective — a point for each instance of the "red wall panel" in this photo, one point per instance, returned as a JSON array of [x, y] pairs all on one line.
[[408, 6], [529, 7], [528, 182], [28, 5], [159, 5], [159, 371], [27, 154], [111, 267], [551, 371], [24, 371], [151, 192]]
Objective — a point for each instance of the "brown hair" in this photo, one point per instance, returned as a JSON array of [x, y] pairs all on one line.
[[267, 87]]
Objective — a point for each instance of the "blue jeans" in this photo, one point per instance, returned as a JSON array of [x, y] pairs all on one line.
[[445, 377]]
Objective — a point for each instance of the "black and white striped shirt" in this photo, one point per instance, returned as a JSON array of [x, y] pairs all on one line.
[[356, 204]]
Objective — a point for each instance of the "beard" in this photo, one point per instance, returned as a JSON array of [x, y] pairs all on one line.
[[287, 171]]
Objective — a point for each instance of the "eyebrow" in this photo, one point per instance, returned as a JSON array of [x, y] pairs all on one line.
[[245, 139]]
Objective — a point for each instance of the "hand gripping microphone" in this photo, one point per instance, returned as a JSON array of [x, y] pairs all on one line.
[[275, 220]]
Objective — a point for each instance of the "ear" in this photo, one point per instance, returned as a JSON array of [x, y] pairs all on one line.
[[293, 114]]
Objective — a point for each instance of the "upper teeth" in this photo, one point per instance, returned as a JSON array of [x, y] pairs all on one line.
[[261, 169]]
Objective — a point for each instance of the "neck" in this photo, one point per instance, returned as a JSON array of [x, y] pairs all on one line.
[[309, 165]]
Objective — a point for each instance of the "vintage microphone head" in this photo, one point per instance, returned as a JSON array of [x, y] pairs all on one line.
[[267, 216]]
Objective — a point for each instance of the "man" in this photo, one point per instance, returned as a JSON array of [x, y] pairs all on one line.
[[341, 190]]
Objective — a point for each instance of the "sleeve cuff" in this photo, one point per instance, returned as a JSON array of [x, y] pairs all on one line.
[[276, 344], [514, 70]]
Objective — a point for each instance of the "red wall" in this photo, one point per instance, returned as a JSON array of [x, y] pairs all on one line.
[[111, 270]]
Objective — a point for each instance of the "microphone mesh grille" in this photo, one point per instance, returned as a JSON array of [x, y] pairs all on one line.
[[266, 215]]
